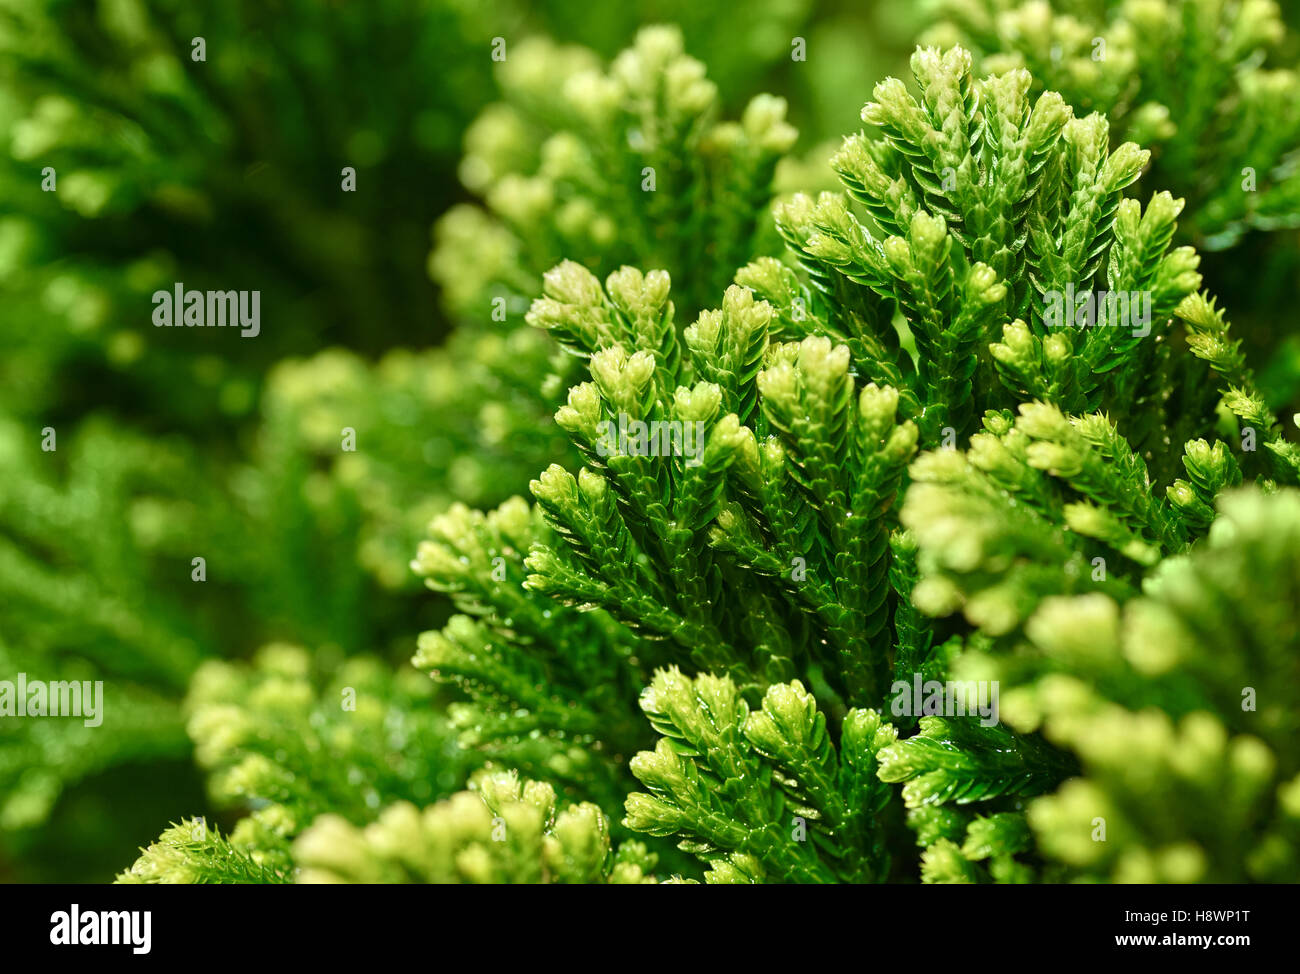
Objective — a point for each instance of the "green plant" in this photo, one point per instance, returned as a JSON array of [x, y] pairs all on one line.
[[135, 160], [776, 556], [289, 738], [131, 161], [128, 560], [1210, 87], [1184, 77], [86, 532], [470, 421], [510, 831], [888, 462], [607, 166]]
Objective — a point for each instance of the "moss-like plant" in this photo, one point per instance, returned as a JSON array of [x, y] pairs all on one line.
[[892, 461], [1189, 79]]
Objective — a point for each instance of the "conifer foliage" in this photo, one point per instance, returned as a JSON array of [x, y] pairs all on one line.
[[1197, 81], [894, 455]]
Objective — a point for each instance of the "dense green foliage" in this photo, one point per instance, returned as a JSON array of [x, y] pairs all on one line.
[[801, 433], [130, 162], [1210, 87], [891, 428], [1186, 78]]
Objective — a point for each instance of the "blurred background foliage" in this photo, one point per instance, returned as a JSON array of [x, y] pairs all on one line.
[[174, 444]]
